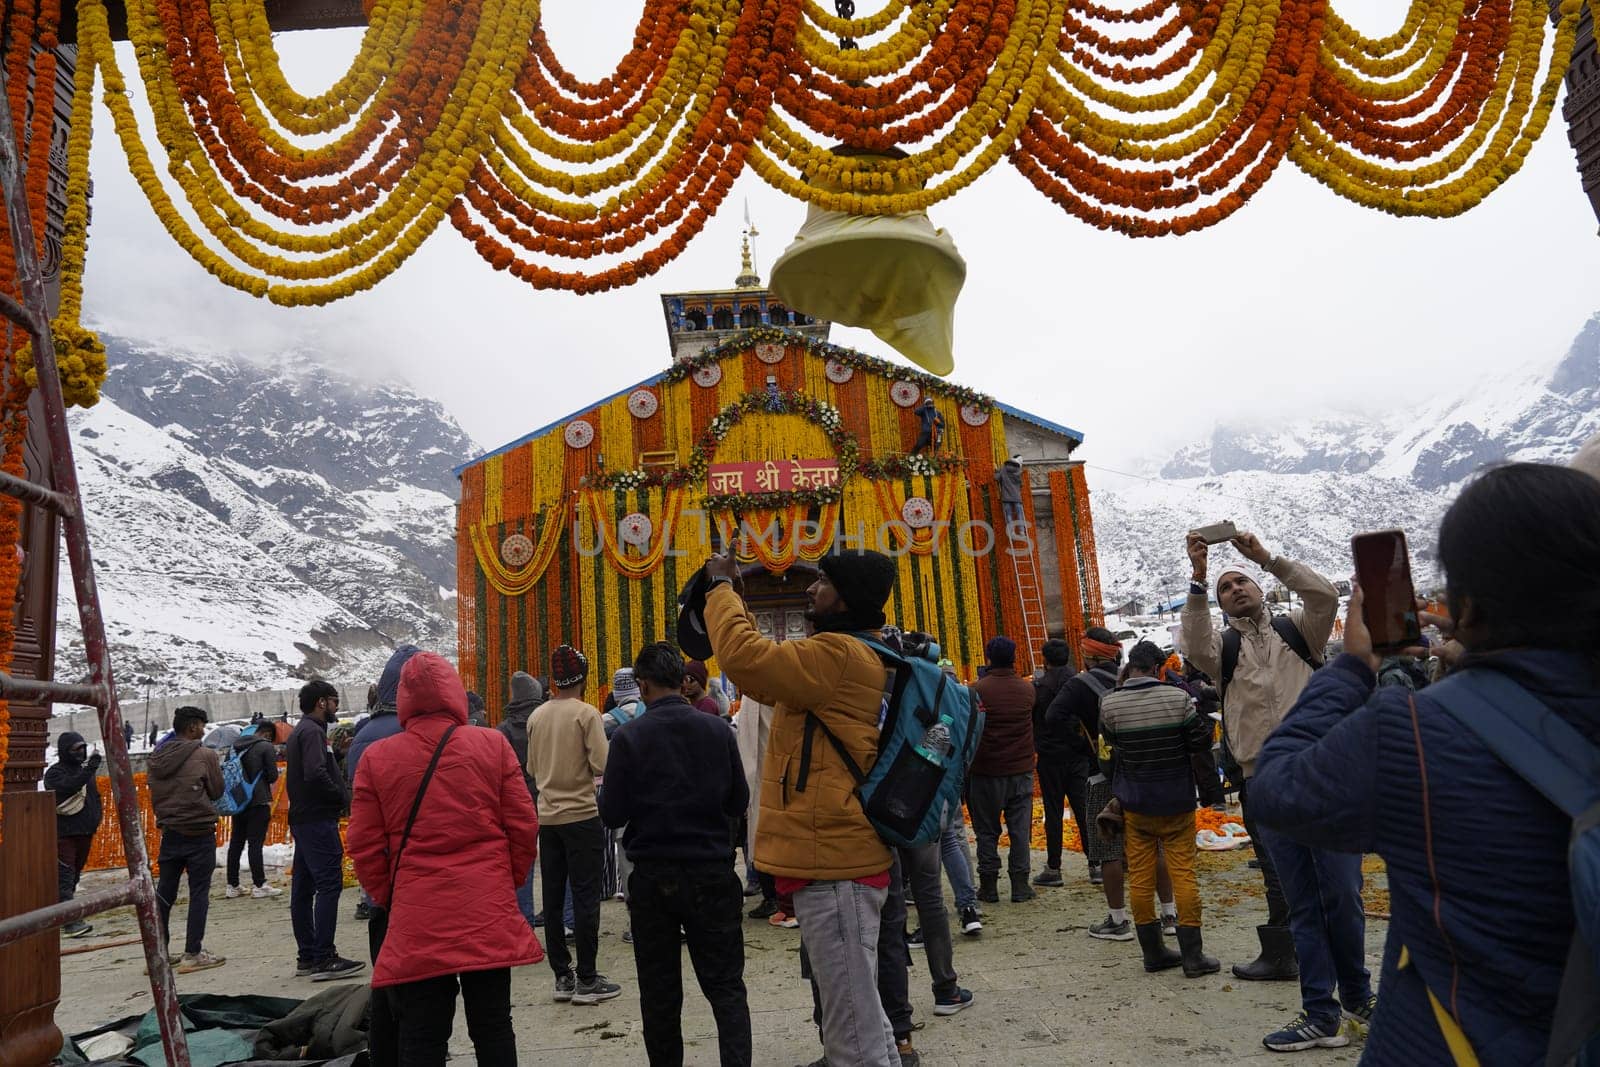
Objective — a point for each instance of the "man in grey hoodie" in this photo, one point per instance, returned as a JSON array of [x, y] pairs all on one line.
[[526, 694]]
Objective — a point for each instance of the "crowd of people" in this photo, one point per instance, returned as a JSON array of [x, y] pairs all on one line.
[[654, 794]]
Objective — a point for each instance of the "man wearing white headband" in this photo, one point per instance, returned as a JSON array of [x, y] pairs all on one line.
[[1261, 664]]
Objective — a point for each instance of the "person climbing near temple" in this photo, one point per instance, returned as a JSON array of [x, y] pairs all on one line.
[[1009, 477], [930, 434], [78, 813], [185, 777]]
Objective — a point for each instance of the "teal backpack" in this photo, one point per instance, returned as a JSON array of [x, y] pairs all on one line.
[[930, 730]]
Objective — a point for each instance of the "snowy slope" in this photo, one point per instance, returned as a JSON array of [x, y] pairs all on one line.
[[1306, 486], [255, 525]]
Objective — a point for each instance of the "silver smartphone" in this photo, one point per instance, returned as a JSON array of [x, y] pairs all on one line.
[[1217, 532]]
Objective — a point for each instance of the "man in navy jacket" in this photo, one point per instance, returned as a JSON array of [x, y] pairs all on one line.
[[674, 780]]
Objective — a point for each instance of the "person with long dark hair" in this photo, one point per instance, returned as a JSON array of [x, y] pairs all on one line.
[[1481, 911]]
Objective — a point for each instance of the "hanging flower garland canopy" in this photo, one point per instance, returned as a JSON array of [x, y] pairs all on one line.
[[1160, 118]]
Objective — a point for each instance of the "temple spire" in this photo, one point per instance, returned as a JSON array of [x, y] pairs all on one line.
[[748, 278]]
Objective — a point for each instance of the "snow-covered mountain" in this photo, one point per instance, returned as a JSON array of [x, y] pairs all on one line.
[[1306, 487], [255, 524]]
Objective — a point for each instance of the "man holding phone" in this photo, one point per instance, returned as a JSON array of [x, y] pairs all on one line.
[[1261, 664]]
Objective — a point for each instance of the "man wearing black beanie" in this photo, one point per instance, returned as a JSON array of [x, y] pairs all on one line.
[[812, 835]]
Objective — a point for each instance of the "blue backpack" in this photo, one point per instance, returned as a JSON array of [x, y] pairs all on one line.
[[1549, 754], [907, 796], [236, 789]]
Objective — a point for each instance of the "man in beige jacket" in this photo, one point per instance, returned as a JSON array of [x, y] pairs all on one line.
[[566, 752], [1260, 665]]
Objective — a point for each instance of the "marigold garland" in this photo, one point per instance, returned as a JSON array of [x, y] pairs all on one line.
[[1164, 118]]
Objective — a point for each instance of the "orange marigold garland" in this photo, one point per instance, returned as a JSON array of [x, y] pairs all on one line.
[[1160, 119]]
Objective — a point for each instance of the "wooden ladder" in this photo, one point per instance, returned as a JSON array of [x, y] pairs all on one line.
[[32, 315], [1031, 596]]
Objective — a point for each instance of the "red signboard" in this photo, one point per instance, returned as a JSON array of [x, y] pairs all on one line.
[[773, 476]]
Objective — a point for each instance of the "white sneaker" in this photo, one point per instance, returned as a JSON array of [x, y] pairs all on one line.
[[262, 892], [233, 891]]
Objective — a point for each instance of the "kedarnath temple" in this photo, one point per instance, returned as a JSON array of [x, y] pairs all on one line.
[[763, 434]]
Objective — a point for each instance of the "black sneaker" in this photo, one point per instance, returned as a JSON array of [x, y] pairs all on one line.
[[302, 968], [752, 889], [565, 984], [1095, 877], [971, 925], [594, 991], [363, 911], [538, 920], [77, 928], [1050, 876], [914, 939], [335, 967], [764, 910]]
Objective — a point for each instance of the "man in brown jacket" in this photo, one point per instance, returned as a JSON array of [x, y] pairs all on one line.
[[813, 836], [1001, 780], [185, 777]]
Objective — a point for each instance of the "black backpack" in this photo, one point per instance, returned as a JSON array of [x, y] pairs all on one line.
[[1286, 630]]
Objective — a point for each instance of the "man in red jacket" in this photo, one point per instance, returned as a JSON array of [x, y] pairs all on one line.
[[1001, 781]]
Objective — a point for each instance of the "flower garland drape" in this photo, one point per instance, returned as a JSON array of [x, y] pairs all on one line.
[[1158, 119]]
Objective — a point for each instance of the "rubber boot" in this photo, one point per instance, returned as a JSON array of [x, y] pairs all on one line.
[[1277, 962], [989, 888], [1157, 956], [1195, 961], [1020, 889]]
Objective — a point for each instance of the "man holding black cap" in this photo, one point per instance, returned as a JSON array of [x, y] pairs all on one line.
[[566, 751], [813, 836]]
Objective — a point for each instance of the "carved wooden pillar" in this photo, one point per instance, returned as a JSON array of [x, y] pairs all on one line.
[[30, 970]]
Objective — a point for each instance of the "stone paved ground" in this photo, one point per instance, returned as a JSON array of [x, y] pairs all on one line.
[[1046, 993]]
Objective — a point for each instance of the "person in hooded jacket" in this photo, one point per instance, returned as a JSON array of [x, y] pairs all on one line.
[[1063, 762], [451, 895], [72, 774], [526, 694], [258, 759], [383, 721], [185, 777], [1481, 922]]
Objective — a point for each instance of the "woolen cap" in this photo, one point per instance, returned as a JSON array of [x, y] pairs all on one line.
[[568, 667], [525, 686]]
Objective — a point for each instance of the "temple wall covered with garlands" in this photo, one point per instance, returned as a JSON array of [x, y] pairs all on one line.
[[585, 531]]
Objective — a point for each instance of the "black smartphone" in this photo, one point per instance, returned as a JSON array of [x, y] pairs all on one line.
[[1389, 608]]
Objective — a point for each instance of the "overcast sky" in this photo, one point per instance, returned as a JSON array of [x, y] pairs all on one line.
[[1300, 301]]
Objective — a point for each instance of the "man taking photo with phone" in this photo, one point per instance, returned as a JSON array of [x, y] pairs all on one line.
[[1261, 664]]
